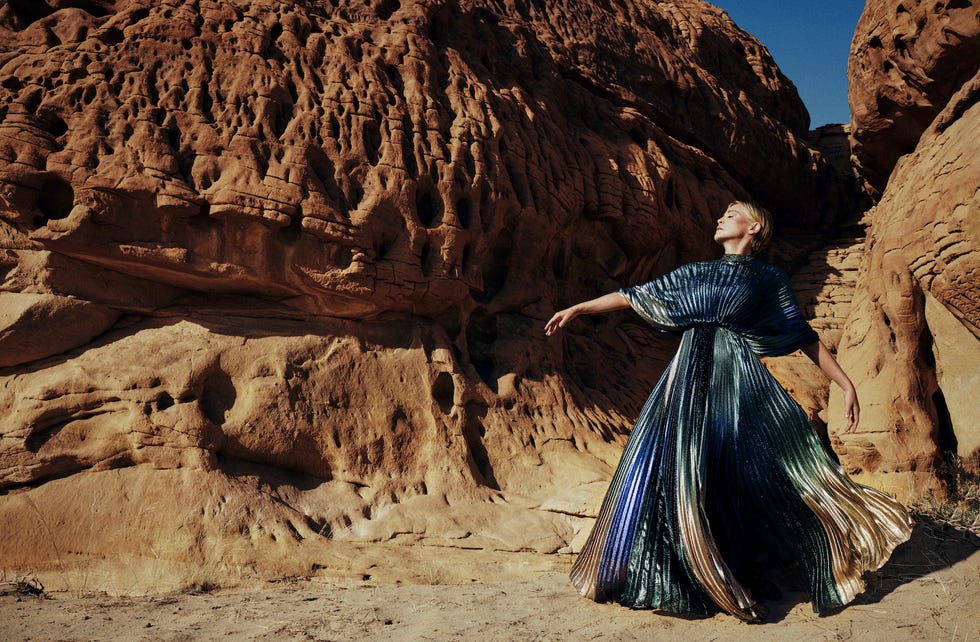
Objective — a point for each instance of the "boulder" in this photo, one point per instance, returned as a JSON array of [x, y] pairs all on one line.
[[911, 340]]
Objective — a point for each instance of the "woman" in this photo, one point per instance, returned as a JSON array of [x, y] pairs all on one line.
[[722, 463]]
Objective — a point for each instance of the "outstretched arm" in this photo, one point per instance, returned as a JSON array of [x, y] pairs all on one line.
[[606, 303], [820, 355]]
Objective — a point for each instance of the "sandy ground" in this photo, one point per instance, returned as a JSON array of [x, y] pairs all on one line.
[[929, 591]]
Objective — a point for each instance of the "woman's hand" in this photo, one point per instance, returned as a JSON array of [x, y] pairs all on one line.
[[560, 320], [852, 410]]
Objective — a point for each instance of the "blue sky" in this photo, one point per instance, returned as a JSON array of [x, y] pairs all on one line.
[[810, 42]]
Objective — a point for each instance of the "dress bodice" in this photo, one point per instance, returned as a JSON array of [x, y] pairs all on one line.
[[746, 296]]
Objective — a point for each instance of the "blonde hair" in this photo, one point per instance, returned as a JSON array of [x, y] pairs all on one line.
[[761, 216]]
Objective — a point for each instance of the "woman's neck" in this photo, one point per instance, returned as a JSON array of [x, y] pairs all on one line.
[[738, 246]]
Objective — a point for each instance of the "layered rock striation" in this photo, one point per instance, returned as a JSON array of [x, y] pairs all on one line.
[[907, 59], [911, 339], [275, 272]]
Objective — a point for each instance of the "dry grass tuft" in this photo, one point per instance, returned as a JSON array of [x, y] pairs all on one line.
[[961, 508]]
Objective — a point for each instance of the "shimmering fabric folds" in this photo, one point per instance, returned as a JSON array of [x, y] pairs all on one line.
[[723, 463]]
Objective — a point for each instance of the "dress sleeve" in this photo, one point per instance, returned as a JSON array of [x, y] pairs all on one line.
[[661, 301], [755, 301], [779, 327]]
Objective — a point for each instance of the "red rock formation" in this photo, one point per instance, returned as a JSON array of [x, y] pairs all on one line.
[[907, 58], [911, 340], [295, 257]]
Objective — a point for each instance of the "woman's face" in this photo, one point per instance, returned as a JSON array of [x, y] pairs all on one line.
[[734, 224]]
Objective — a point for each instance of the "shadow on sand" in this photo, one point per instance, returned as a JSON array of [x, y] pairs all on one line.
[[933, 546]]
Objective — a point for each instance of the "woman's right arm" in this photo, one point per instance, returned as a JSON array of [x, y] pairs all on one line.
[[820, 355], [606, 303]]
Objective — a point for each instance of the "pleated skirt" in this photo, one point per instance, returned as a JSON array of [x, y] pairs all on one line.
[[721, 465]]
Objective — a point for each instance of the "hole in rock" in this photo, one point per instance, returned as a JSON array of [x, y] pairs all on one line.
[[425, 259], [275, 32], [638, 137], [427, 208], [408, 148], [54, 125], [387, 7], [481, 333], [55, 199], [395, 78], [354, 194], [294, 531], [112, 36], [463, 212], [444, 391], [371, 136], [398, 421], [164, 401], [218, 396], [382, 248], [29, 11], [486, 212], [497, 266]]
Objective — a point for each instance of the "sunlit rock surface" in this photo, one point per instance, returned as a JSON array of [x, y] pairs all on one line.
[[911, 340], [274, 274]]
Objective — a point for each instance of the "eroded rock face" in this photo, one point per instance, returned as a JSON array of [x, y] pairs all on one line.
[[912, 337], [365, 160], [907, 58], [318, 243]]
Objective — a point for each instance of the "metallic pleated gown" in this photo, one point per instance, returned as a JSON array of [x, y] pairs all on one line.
[[723, 464]]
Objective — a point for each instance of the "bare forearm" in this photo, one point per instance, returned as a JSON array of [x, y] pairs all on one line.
[[606, 303], [820, 355]]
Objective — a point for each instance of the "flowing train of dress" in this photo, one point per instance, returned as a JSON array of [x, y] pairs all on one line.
[[722, 461]]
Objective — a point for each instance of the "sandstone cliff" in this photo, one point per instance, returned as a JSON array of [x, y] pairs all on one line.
[[274, 273], [907, 59], [911, 338]]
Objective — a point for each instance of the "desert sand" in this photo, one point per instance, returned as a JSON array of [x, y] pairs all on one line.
[[273, 276], [928, 591]]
